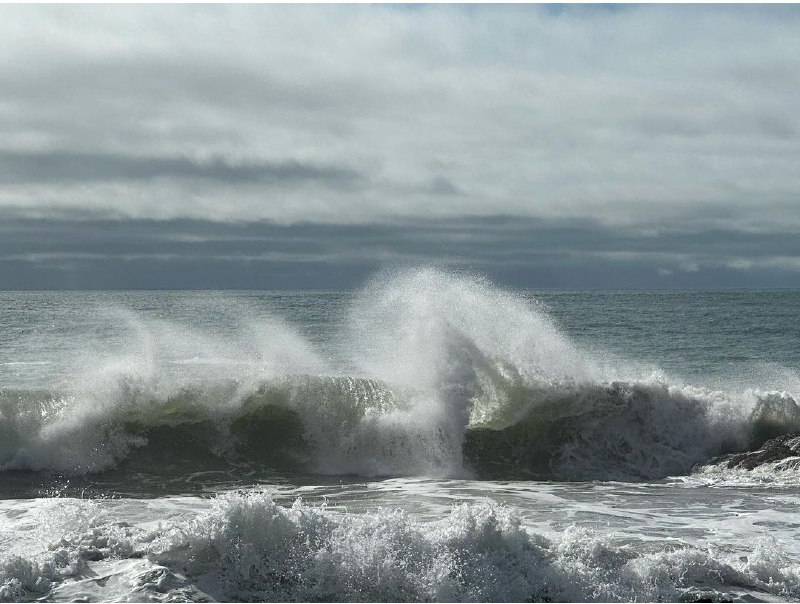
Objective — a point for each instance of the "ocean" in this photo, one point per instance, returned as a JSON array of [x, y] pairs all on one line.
[[429, 437]]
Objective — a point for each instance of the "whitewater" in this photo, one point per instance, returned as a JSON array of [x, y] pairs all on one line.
[[429, 437]]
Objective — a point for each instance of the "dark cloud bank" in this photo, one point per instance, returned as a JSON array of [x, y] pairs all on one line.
[[66, 167], [530, 253]]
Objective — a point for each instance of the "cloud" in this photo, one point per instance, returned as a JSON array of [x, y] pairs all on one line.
[[611, 115], [785, 263], [636, 137], [60, 167], [523, 252]]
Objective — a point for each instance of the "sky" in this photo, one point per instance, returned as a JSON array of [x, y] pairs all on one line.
[[293, 147]]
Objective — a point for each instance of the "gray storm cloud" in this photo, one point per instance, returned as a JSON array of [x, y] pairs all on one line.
[[637, 122]]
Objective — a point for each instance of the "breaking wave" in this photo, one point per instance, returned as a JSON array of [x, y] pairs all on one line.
[[437, 375], [247, 548]]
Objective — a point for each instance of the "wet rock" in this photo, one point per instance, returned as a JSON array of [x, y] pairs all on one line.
[[775, 449]]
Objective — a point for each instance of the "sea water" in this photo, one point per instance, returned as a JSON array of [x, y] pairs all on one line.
[[429, 437]]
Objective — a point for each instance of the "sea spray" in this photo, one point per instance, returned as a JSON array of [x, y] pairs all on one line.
[[433, 374]]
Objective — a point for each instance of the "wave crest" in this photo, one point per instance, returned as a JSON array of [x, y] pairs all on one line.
[[440, 375]]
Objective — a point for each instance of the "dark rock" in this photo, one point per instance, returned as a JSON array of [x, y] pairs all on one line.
[[775, 449]]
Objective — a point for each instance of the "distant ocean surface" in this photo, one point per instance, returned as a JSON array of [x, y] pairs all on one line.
[[431, 437]]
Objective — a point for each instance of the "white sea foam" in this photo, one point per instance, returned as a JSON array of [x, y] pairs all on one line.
[[246, 547]]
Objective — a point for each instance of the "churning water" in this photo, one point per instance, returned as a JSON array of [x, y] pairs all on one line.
[[430, 437]]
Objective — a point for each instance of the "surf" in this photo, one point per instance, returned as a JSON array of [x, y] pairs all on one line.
[[434, 374], [244, 546]]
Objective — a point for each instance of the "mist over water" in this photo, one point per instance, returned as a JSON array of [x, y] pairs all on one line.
[[421, 373]]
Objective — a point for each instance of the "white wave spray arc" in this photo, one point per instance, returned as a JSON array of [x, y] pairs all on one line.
[[435, 374]]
